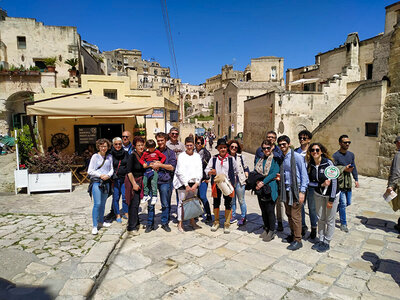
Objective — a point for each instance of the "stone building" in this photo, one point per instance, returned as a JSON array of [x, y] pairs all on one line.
[[265, 68], [352, 89], [150, 74], [24, 44], [221, 80]]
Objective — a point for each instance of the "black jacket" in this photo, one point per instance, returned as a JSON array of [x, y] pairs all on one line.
[[120, 162], [317, 177]]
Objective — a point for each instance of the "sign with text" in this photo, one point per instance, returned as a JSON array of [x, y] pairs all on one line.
[[87, 135], [158, 113]]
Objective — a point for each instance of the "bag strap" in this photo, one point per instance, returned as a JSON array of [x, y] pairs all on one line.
[[102, 164], [116, 173]]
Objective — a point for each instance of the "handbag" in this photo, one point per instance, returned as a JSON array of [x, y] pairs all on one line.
[[192, 208]]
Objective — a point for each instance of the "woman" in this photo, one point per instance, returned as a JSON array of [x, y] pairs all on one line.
[[205, 156], [235, 151], [326, 194], [267, 188], [133, 184], [120, 164], [188, 174], [100, 171]]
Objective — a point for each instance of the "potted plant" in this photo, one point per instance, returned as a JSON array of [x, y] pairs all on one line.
[[73, 62], [21, 70], [13, 70], [50, 63], [65, 83], [50, 172], [34, 70]]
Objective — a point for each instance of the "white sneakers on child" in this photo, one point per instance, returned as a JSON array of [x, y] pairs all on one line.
[[154, 200], [145, 199]]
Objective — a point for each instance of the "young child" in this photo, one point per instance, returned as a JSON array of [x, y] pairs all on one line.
[[149, 156]]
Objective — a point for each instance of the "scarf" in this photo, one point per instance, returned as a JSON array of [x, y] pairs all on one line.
[[264, 170], [222, 158], [118, 154], [294, 187]]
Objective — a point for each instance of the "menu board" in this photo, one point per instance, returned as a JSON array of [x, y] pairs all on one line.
[[87, 135]]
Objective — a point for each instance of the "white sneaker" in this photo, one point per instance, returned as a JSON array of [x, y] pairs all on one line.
[[153, 200], [94, 230], [145, 199], [106, 224]]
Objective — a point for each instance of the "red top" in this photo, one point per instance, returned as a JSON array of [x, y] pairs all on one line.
[[152, 156]]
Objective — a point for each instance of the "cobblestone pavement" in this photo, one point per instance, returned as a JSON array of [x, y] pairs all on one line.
[[362, 264], [45, 242]]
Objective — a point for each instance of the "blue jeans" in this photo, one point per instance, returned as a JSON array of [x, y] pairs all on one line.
[[202, 194], [239, 194], [99, 203], [119, 190], [344, 201], [165, 190], [311, 209]]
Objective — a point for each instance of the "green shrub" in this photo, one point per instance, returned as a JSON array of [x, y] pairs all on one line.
[[25, 144]]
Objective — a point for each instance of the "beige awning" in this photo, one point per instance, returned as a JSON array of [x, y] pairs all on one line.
[[88, 105]]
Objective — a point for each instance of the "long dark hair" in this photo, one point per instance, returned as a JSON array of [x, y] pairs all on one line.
[[324, 151]]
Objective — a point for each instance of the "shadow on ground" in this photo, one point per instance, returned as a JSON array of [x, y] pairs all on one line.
[[387, 266], [376, 223], [11, 291]]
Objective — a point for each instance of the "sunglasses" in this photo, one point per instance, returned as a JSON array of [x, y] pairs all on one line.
[[119, 144], [175, 134], [266, 148], [303, 138], [125, 136], [233, 147], [315, 150], [347, 143], [282, 145], [199, 143]]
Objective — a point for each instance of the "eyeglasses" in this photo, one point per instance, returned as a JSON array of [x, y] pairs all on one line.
[[125, 136], [119, 144], [303, 138], [233, 147], [175, 133], [282, 145], [347, 143], [315, 150], [266, 148], [103, 146]]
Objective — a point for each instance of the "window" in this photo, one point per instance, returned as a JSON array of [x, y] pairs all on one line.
[[155, 72], [309, 87], [216, 110], [371, 129], [21, 42], [112, 94], [369, 71], [230, 105], [173, 116], [273, 72]]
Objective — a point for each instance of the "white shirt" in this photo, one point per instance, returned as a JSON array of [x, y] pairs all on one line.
[[96, 161], [188, 169], [222, 169]]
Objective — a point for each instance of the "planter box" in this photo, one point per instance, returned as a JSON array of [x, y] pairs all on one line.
[[49, 182], [21, 179]]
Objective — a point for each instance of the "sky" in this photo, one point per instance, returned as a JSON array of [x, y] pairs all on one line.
[[209, 34]]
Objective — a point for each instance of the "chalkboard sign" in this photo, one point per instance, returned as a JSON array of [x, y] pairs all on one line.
[[87, 135]]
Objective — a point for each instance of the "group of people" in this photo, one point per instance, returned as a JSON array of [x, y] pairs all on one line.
[[282, 177]]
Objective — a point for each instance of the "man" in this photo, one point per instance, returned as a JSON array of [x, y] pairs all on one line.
[[305, 140], [344, 160], [271, 137], [128, 147], [394, 176], [174, 144], [294, 183], [126, 141], [221, 163], [165, 176]]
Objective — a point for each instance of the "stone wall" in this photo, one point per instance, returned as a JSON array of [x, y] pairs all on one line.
[[390, 129], [366, 101]]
